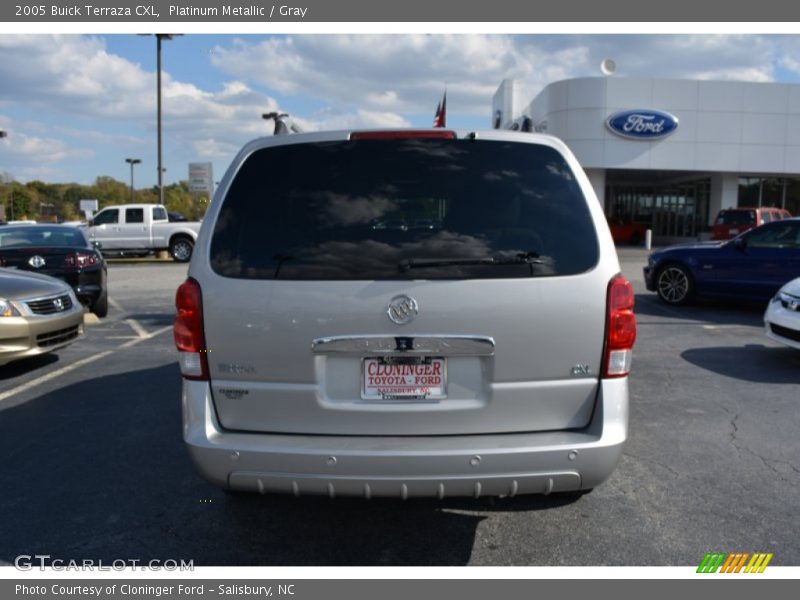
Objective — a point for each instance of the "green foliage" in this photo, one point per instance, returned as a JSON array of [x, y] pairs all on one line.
[[19, 202], [62, 200]]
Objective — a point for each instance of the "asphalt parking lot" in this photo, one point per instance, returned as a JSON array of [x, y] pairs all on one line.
[[93, 465]]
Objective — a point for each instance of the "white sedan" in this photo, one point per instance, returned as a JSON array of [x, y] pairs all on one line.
[[782, 318]]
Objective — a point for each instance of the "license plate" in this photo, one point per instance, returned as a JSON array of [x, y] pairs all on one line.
[[423, 379], [733, 232]]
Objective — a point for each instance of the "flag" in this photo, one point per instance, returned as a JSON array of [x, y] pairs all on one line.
[[440, 120]]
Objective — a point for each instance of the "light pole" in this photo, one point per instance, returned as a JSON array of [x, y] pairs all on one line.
[[131, 162], [3, 134], [159, 37]]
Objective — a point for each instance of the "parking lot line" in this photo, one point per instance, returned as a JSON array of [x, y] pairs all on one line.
[[80, 363], [134, 324], [116, 305]]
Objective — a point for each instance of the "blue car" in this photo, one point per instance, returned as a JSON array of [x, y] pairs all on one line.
[[752, 266]]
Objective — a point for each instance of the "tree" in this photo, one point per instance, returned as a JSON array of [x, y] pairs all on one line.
[[19, 203], [178, 199], [108, 190]]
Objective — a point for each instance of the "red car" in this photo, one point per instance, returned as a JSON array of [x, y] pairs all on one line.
[[627, 232], [731, 222]]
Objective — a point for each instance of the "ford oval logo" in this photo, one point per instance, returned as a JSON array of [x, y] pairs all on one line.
[[642, 124]]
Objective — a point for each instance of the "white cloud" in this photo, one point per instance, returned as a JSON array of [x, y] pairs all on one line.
[[108, 101], [330, 119], [75, 79], [21, 147], [407, 73]]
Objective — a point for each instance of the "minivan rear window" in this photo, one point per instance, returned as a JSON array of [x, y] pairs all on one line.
[[404, 209]]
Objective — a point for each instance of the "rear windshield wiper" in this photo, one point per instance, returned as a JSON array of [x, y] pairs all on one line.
[[521, 258]]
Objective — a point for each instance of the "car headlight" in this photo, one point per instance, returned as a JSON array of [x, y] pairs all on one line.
[[786, 299], [7, 309]]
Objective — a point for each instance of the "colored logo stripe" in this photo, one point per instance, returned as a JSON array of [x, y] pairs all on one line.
[[711, 562], [734, 562], [758, 563]]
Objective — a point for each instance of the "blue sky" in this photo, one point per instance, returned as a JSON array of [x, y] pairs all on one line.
[[75, 106]]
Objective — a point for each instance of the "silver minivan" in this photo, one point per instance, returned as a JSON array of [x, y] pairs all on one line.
[[403, 313]]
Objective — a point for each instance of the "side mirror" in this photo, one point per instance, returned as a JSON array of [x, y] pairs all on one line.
[[90, 223], [740, 243]]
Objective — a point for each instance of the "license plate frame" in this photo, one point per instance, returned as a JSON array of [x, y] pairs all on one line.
[[420, 389]]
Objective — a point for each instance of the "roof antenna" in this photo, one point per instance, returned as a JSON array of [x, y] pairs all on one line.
[[283, 124]]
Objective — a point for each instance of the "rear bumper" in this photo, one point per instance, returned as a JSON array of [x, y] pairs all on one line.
[[425, 466]]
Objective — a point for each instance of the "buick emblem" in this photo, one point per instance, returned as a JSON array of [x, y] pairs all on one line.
[[37, 262], [402, 309]]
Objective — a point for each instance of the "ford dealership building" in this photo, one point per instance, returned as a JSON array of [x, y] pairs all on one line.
[[671, 153]]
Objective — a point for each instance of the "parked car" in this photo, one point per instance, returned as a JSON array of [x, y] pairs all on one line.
[[627, 232], [176, 217], [60, 251], [38, 314], [730, 222], [782, 317], [752, 266], [325, 351], [141, 228]]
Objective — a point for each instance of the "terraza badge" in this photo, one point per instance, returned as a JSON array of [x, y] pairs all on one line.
[[642, 124]]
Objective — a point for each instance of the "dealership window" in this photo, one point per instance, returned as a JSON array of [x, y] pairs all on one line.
[[749, 191], [792, 203], [772, 192], [671, 210], [780, 192]]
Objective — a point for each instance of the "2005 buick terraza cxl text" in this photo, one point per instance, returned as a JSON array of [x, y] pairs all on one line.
[[404, 313]]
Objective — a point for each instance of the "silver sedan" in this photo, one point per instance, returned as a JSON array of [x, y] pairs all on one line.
[[38, 314]]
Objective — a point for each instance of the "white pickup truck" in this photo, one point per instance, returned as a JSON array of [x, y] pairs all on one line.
[[141, 228]]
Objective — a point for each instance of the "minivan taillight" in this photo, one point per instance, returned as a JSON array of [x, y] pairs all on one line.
[[188, 331], [620, 328]]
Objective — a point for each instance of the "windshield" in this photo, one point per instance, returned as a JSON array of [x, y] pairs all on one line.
[[41, 236], [367, 209]]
